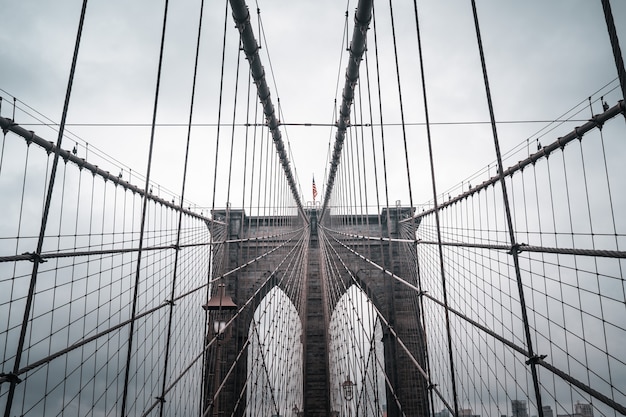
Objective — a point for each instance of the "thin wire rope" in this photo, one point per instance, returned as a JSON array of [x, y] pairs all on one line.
[[143, 216], [391, 330], [219, 106], [401, 103], [509, 221], [617, 53], [175, 271], [229, 323], [232, 138], [44, 220]]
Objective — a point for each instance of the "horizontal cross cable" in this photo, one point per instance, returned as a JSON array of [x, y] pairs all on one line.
[[31, 137], [578, 132], [29, 256], [49, 358], [596, 394], [521, 247], [83, 342], [305, 124]]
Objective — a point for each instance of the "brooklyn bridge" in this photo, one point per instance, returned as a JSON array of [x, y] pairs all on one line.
[[313, 209]]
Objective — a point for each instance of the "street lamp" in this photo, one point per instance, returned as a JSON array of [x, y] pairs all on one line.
[[348, 393], [348, 389], [222, 306]]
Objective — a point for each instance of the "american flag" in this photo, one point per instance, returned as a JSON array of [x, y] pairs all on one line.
[[314, 189]]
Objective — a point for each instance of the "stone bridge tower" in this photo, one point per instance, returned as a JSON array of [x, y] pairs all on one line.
[[396, 302]]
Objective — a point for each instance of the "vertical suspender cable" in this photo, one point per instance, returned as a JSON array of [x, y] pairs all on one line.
[[532, 361], [437, 220], [241, 15], [357, 48], [389, 285], [44, 218], [232, 138], [180, 218], [617, 53], [143, 215], [406, 151], [204, 400]]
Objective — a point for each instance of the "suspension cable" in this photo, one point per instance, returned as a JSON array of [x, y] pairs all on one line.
[[46, 210]]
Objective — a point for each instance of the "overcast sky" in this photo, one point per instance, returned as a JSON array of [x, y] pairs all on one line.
[[543, 59]]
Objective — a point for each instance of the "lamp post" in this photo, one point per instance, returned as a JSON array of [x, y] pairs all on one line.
[[221, 308], [348, 393], [348, 389]]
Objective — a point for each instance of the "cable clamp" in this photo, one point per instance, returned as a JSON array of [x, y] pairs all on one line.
[[161, 399], [579, 135], [5, 129], [431, 386], [170, 303], [597, 121], [517, 248], [11, 377], [34, 257], [533, 360]]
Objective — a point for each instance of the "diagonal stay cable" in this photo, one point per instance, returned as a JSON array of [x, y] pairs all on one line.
[[228, 374], [335, 269], [519, 247], [29, 256], [258, 258], [83, 342], [245, 305], [392, 331]]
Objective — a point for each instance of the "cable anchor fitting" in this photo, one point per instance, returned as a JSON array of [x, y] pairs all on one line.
[[516, 248], [34, 257], [595, 119], [11, 377], [534, 360]]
